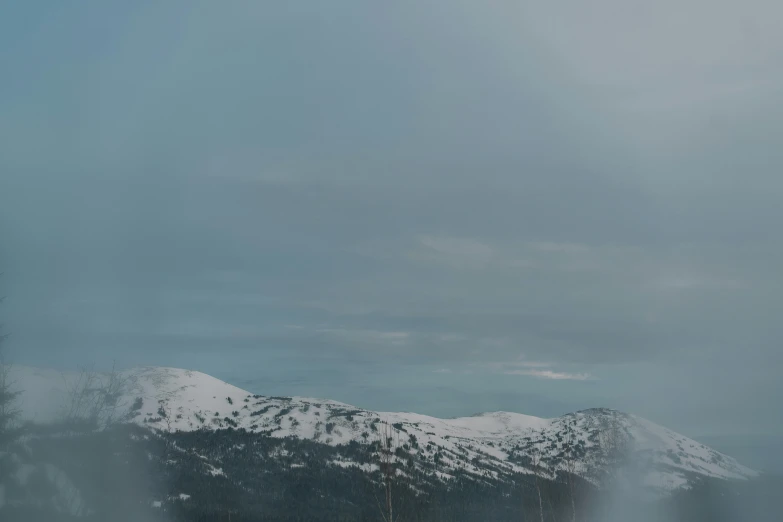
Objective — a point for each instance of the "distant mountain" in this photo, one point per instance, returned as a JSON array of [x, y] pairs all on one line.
[[497, 446]]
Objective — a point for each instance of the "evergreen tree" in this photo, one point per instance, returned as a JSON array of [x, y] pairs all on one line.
[[9, 412]]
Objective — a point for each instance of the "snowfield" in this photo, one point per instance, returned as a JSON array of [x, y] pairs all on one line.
[[490, 444]]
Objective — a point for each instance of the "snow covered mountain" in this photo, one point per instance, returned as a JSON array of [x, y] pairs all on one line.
[[495, 445]]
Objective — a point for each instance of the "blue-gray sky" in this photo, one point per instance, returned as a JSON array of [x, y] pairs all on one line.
[[440, 206]]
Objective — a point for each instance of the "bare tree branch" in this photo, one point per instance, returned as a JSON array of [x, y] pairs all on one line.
[[388, 439], [9, 411], [93, 399], [535, 461]]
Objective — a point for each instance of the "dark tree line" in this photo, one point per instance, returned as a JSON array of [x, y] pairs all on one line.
[[128, 473]]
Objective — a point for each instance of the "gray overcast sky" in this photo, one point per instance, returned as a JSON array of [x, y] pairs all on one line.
[[444, 206]]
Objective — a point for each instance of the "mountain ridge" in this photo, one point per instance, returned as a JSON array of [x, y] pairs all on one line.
[[489, 444]]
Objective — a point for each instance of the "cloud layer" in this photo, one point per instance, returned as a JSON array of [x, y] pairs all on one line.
[[388, 204]]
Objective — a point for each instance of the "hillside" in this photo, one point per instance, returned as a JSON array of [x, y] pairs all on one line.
[[496, 445]]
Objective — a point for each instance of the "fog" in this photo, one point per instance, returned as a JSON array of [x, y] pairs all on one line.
[[436, 206]]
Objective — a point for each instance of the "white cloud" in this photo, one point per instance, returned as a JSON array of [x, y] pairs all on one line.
[[549, 374], [442, 370], [520, 362], [530, 364], [539, 369]]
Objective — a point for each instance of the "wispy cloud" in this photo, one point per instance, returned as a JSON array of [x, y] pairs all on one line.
[[549, 374], [458, 247], [688, 282], [530, 364], [561, 248], [458, 252], [506, 366], [539, 369], [442, 370], [449, 338], [368, 336]]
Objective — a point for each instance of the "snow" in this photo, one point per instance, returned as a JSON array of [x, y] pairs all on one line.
[[367, 468], [175, 399], [500, 423], [215, 472], [443, 476]]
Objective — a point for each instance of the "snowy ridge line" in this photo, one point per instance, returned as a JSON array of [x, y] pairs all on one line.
[[495, 444]]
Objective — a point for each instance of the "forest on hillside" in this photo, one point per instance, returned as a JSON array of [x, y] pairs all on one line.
[[95, 466]]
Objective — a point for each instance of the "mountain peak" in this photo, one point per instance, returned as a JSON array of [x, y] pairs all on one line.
[[172, 399]]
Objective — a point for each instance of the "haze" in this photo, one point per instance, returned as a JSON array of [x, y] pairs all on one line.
[[442, 207]]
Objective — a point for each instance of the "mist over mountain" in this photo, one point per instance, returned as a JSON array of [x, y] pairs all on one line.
[[761, 452], [402, 261], [177, 400], [212, 447]]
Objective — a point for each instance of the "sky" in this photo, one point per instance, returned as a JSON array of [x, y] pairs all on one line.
[[435, 206]]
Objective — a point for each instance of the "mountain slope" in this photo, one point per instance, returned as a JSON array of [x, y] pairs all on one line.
[[495, 445]]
